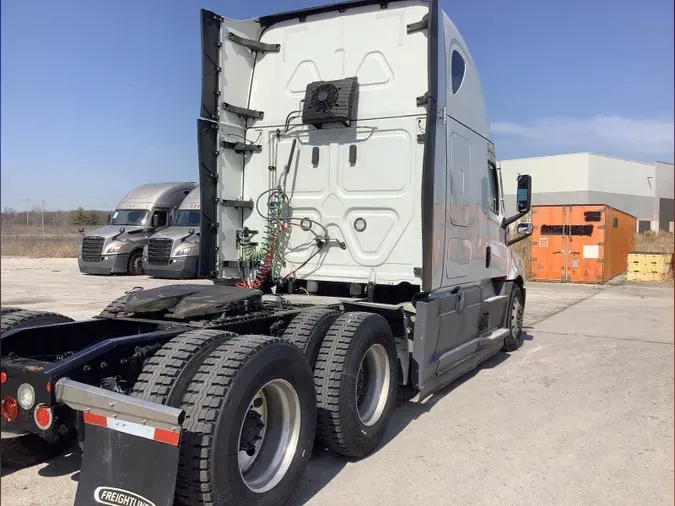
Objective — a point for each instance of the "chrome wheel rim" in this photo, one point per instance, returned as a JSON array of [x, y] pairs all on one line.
[[372, 385], [268, 436]]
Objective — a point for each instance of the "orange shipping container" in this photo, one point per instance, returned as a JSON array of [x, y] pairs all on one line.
[[580, 243]]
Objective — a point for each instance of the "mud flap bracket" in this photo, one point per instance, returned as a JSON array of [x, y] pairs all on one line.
[[131, 446]]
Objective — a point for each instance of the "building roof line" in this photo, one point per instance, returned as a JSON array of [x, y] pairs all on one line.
[[582, 153]]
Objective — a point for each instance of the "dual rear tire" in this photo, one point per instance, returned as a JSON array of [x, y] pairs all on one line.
[[250, 407], [115, 307], [250, 422], [355, 368], [356, 380], [254, 407], [17, 318]]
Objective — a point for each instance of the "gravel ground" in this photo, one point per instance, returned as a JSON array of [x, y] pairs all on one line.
[[581, 414]]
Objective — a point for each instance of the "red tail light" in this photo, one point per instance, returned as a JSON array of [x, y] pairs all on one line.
[[10, 409], [43, 417], [3, 377]]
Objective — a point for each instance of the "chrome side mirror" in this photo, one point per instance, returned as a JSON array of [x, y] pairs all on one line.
[[524, 228], [524, 231]]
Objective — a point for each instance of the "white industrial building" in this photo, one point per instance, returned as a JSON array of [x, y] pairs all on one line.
[[644, 190]]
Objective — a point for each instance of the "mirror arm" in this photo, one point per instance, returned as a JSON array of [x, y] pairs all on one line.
[[507, 221], [517, 239], [190, 233]]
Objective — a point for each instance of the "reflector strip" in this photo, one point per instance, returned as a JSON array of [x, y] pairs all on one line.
[[99, 420], [135, 429], [166, 436]]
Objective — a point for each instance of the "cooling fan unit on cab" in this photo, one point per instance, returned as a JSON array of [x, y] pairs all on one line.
[[331, 102]]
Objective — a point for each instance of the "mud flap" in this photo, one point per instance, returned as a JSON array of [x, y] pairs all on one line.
[[131, 447]]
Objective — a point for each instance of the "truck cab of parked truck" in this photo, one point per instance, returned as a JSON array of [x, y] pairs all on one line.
[[174, 251], [117, 247]]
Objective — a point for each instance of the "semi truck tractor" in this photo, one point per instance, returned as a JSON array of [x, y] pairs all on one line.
[[353, 226], [117, 248], [174, 251]]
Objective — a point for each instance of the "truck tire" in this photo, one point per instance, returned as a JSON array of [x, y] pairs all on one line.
[[245, 385], [25, 318], [115, 307], [514, 320], [9, 309], [31, 449], [356, 377], [135, 267], [166, 374], [308, 329]]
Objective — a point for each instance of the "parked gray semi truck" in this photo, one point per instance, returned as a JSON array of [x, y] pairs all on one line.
[[353, 224], [174, 251], [117, 248]]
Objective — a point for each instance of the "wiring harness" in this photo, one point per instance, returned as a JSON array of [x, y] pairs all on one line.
[[258, 264], [267, 254]]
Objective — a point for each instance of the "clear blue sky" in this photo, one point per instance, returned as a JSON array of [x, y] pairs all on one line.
[[101, 95]]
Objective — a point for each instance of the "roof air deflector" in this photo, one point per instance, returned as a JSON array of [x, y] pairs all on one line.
[[301, 15]]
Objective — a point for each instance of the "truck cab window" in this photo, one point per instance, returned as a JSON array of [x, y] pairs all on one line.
[[458, 68], [493, 188], [187, 218], [129, 217]]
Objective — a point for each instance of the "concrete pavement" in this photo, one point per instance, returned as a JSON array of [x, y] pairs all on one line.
[[581, 414], [56, 284]]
